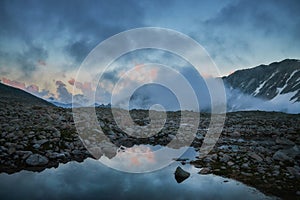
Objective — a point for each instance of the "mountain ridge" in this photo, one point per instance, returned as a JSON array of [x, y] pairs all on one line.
[[268, 81], [16, 95]]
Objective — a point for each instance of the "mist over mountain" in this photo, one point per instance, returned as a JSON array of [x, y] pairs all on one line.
[[274, 87]]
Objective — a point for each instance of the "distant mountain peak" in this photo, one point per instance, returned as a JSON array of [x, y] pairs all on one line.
[[269, 82]]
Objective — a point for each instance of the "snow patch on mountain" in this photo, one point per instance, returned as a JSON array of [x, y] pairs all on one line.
[[262, 84]]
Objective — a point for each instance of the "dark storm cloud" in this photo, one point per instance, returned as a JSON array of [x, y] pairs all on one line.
[[79, 50], [269, 17], [111, 76], [235, 32], [83, 23], [245, 33], [63, 94], [25, 60], [29, 59], [93, 18]]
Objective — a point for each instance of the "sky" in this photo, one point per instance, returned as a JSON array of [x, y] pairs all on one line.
[[43, 43]]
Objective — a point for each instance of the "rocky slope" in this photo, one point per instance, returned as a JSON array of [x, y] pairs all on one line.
[[35, 133], [12, 95]]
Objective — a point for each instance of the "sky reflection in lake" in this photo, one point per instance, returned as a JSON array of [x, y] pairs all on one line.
[[146, 158], [93, 180]]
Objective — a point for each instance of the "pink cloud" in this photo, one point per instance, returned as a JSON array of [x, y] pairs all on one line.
[[15, 84], [33, 89], [71, 81], [86, 87]]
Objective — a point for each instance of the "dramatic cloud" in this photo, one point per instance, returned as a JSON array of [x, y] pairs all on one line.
[[79, 50], [111, 76], [13, 83], [41, 41], [33, 89], [63, 94], [246, 33]]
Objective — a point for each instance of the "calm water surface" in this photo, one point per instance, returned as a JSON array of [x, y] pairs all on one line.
[[93, 180]]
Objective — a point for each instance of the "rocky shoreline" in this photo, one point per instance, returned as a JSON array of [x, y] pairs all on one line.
[[261, 149]]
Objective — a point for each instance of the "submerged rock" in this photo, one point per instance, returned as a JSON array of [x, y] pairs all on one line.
[[36, 160], [181, 175]]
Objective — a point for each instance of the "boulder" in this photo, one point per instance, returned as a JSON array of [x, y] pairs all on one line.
[[36, 160], [181, 175]]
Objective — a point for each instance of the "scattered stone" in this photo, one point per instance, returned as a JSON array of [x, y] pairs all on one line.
[[246, 174], [245, 166], [36, 146], [255, 157], [205, 170]]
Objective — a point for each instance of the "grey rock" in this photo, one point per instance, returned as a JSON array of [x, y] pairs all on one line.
[[284, 141], [60, 155], [293, 171], [293, 151], [181, 175], [36, 146], [36, 160], [205, 170], [255, 157], [76, 152], [41, 142], [235, 134], [11, 150], [225, 158], [24, 154], [246, 174], [281, 156], [245, 166]]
